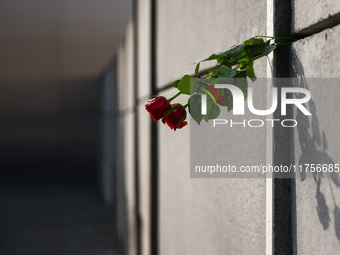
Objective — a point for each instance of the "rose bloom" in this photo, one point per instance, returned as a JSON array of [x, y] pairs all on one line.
[[158, 107], [175, 119]]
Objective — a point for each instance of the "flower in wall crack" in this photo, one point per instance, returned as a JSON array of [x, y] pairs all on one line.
[[234, 65], [176, 117]]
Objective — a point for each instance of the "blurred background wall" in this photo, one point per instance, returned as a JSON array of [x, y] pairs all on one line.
[[52, 112], [52, 55]]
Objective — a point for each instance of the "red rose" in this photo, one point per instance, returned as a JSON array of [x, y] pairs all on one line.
[[158, 107], [175, 119]]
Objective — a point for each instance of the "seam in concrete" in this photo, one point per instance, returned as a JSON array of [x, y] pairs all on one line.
[[154, 203], [282, 138], [136, 128], [327, 23]]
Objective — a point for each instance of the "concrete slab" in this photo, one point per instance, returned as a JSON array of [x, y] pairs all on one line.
[[184, 35], [125, 70], [316, 56], [144, 48], [316, 140], [312, 16], [210, 216], [144, 175], [129, 174]]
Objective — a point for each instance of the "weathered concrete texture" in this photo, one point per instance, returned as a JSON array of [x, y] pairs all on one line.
[[207, 216], [144, 176], [210, 216], [316, 56], [317, 141], [144, 17], [184, 35], [313, 16]]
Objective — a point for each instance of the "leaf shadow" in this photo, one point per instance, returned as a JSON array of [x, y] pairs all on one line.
[[313, 144]]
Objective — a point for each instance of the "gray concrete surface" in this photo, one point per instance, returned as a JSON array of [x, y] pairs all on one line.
[[144, 170], [126, 141], [144, 49], [184, 35], [316, 56], [227, 216], [210, 216], [129, 173], [316, 141], [207, 216], [311, 15]]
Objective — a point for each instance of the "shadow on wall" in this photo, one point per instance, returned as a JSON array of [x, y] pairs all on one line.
[[313, 143]]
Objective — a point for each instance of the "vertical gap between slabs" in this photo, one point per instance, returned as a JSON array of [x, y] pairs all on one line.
[[154, 137]]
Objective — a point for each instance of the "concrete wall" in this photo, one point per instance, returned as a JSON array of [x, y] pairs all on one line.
[[227, 216], [316, 139], [207, 216], [49, 121], [127, 119], [144, 124]]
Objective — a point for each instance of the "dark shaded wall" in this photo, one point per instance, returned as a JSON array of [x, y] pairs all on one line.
[[49, 130]]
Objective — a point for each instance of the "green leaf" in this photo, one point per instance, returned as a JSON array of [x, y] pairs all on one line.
[[197, 69], [184, 85], [224, 94], [255, 45], [254, 42], [243, 62], [213, 111], [268, 49], [250, 72], [212, 82], [194, 85], [230, 102], [212, 74], [226, 72], [211, 57], [222, 59], [195, 108], [235, 50], [175, 84], [242, 83], [212, 97]]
